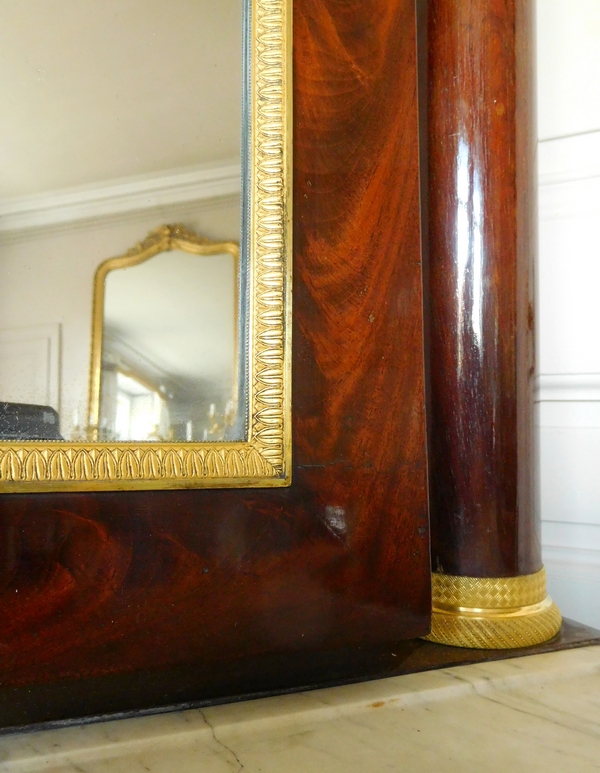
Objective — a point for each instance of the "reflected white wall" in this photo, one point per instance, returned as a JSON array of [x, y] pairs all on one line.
[[46, 278]]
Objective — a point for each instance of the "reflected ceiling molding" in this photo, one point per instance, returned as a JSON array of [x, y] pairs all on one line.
[[113, 197]]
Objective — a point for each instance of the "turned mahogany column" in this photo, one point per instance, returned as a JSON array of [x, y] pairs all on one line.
[[489, 583]]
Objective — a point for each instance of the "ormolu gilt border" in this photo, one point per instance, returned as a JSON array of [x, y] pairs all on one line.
[[265, 458], [492, 612]]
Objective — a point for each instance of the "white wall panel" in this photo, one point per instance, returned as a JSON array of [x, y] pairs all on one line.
[[569, 278], [578, 597], [570, 474], [568, 384], [570, 537], [568, 66]]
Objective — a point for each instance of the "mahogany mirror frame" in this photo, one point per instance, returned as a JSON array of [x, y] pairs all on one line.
[[141, 601]]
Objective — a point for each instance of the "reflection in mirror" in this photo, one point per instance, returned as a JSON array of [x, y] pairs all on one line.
[[165, 342], [120, 116]]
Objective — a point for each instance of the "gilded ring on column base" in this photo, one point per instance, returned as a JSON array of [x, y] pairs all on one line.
[[492, 612]]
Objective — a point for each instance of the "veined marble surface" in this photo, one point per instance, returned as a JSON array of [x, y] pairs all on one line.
[[537, 713]]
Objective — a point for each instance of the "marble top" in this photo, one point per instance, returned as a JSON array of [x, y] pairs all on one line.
[[536, 713]]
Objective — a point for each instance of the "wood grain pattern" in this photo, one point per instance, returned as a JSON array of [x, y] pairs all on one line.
[[482, 244], [151, 599], [328, 667]]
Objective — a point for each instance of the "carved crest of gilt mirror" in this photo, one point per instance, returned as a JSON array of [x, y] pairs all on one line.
[[189, 383]]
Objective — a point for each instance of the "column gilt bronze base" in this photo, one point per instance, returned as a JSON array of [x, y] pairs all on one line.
[[492, 612]]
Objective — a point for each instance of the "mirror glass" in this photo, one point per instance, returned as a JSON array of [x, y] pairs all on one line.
[[119, 117], [167, 345]]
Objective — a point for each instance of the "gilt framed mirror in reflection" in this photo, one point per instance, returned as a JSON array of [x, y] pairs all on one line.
[[190, 377]]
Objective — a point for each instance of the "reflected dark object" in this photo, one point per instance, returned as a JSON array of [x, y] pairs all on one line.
[[20, 421]]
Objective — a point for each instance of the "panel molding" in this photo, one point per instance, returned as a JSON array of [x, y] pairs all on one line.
[[567, 159], [49, 336], [569, 387], [569, 177], [574, 582], [572, 562], [114, 197]]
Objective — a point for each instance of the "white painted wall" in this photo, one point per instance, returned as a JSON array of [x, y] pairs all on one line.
[[569, 302], [46, 279]]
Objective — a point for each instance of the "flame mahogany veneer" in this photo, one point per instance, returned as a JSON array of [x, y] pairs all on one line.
[[482, 229], [128, 601]]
